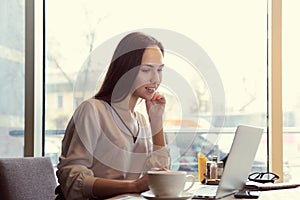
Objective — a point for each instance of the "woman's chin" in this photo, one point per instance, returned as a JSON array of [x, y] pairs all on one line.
[[147, 97]]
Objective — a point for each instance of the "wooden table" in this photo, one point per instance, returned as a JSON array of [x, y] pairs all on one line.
[[283, 194]]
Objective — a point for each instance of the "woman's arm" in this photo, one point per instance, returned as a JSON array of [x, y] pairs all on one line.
[[158, 136], [104, 188], [78, 182], [155, 108]]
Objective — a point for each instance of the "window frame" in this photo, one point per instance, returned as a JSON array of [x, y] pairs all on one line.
[[34, 137], [275, 100], [34, 72]]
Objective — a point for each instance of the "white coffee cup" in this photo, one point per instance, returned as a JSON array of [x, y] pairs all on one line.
[[169, 183]]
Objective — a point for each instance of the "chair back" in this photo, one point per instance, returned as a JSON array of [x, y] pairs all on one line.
[[29, 178]]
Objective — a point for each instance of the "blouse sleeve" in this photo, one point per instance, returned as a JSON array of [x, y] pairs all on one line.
[[159, 158], [83, 131]]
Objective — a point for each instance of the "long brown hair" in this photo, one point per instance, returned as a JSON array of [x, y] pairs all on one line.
[[124, 66]]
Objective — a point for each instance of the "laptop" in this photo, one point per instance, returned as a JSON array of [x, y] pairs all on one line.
[[238, 165]]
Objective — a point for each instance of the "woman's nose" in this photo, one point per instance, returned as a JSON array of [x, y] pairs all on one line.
[[155, 78]]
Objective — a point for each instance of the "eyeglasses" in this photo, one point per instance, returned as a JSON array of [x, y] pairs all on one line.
[[263, 177]]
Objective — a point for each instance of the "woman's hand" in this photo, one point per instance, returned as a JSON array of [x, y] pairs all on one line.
[[156, 106], [141, 184]]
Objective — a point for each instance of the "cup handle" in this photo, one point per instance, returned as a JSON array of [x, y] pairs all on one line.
[[192, 182]]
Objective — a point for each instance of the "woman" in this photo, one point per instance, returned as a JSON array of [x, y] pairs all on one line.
[[108, 146]]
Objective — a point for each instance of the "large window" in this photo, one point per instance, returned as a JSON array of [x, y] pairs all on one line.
[[291, 93], [229, 36], [12, 70], [216, 57]]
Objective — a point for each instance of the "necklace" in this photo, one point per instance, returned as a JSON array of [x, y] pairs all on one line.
[[133, 136]]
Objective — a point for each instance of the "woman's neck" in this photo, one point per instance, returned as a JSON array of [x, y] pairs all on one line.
[[128, 104]]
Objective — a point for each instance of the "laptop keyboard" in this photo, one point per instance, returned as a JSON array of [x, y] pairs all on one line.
[[209, 190]]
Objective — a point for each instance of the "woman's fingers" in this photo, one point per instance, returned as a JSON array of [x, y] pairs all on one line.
[[158, 98]]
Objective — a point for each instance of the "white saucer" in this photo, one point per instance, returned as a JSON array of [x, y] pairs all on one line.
[[149, 195]]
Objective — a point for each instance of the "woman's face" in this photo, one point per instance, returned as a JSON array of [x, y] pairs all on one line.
[[150, 73]]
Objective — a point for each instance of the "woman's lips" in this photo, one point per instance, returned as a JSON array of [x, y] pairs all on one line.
[[151, 90]]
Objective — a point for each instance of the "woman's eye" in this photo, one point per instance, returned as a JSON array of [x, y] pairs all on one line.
[[145, 70]]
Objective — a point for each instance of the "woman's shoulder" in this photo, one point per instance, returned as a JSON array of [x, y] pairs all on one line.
[[93, 104]]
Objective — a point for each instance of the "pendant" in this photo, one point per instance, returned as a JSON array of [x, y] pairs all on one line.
[[134, 138]]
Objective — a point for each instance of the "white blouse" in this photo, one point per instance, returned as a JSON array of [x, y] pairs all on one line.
[[97, 144]]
